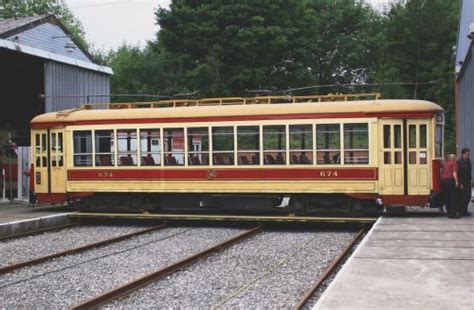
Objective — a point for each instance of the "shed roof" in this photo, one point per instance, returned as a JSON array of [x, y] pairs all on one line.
[[9, 25]]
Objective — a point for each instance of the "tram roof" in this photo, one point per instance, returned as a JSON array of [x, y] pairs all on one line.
[[368, 107]]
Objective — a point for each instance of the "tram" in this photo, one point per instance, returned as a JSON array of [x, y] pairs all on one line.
[[297, 153]]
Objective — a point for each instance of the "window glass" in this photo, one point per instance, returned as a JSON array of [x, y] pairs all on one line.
[[53, 150], [397, 136], [412, 136], [127, 147], [38, 150], [173, 139], [248, 145], [386, 136], [328, 144], [223, 145], [274, 145], [356, 144], [104, 148], [198, 146], [439, 141], [150, 147], [301, 144], [423, 136], [82, 148]]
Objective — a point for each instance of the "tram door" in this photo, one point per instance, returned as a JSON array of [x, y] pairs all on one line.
[[391, 173], [41, 161], [56, 160], [419, 158]]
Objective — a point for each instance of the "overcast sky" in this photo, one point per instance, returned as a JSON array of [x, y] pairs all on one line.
[[108, 23]]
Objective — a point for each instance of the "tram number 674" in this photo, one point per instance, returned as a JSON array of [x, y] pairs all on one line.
[[328, 174]]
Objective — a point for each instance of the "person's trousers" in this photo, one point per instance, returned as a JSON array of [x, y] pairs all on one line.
[[449, 192], [464, 198]]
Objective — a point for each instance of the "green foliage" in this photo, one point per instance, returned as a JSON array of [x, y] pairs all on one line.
[[20, 8], [226, 48]]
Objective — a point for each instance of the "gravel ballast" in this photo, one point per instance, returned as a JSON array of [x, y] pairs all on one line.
[[270, 270], [69, 280], [29, 247]]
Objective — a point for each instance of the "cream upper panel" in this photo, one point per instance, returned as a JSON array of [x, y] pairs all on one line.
[[369, 106]]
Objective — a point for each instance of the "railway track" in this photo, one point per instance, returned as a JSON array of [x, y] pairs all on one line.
[[115, 294], [159, 274], [42, 259], [80, 216], [328, 272]]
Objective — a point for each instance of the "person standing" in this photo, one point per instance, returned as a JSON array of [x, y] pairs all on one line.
[[464, 176], [449, 182]]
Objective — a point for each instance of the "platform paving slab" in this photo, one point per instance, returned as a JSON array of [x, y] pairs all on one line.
[[408, 263], [16, 218]]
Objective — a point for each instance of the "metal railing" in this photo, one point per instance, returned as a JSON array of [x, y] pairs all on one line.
[[174, 103]]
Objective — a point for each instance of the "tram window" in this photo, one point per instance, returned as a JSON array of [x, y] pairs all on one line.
[[248, 145], [198, 146], [301, 144], [328, 144], [423, 136], [223, 145], [412, 158], [412, 136], [397, 136], [104, 148], [439, 141], [38, 150], [274, 145], [173, 139], [386, 136], [398, 157], [44, 151], [82, 148], [387, 158], [53, 150], [60, 150], [356, 144], [150, 147], [127, 147]]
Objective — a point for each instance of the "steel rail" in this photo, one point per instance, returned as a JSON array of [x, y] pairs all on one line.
[[329, 270], [39, 260], [208, 217], [38, 231], [159, 274]]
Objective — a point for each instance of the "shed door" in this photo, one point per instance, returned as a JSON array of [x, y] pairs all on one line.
[[418, 155], [391, 158]]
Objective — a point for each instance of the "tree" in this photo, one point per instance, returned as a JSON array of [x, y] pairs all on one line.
[[225, 48], [417, 40], [20, 8]]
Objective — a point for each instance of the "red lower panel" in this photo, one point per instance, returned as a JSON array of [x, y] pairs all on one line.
[[11, 171], [223, 174], [405, 200], [51, 198]]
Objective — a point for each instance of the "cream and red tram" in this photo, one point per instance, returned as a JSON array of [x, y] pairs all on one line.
[[299, 153]]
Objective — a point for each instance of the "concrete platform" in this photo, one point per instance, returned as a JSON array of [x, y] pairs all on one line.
[[18, 218], [408, 263]]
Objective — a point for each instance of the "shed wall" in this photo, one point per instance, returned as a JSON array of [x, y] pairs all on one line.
[[466, 104], [68, 87]]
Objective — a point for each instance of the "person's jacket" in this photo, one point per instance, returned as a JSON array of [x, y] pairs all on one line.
[[464, 171]]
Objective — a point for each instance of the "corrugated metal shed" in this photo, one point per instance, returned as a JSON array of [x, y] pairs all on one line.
[[463, 42], [64, 82]]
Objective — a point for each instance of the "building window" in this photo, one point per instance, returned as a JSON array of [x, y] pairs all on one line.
[[328, 144], [150, 147], [198, 146], [173, 146], [439, 141], [223, 145], [82, 148], [127, 147], [356, 144], [248, 145], [301, 144], [104, 148], [274, 145]]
